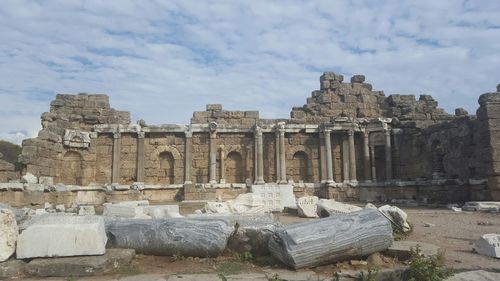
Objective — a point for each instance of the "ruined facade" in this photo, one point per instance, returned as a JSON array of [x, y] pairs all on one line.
[[346, 134]]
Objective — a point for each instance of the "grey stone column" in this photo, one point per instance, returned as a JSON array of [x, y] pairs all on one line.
[[345, 158], [140, 157], [222, 165], [352, 156], [366, 156], [329, 160], [388, 155], [282, 156], [322, 157], [260, 156], [213, 158], [188, 157], [372, 161], [277, 157], [115, 177], [396, 156]]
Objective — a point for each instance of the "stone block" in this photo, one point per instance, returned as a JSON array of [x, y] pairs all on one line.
[[214, 107], [481, 206], [162, 211], [358, 79], [110, 262], [402, 249], [46, 180], [475, 275], [252, 114], [63, 236], [330, 207], [8, 234], [488, 245], [86, 210], [29, 178], [307, 206], [34, 187], [124, 211], [12, 269], [276, 196]]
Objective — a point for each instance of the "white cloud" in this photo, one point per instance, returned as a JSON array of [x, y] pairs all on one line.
[[163, 60]]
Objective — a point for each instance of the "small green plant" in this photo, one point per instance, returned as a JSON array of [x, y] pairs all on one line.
[[371, 275], [427, 268], [276, 277], [228, 268]]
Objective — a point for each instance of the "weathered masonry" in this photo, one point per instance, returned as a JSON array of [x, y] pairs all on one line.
[[346, 141]]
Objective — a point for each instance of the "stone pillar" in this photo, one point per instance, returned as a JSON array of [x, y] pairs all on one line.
[[352, 156], [366, 156], [372, 161], [115, 178], [277, 157], [140, 157], [322, 157], [188, 157], [396, 137], [388, 155], [329, 160], [345, 158], [213, 158], [282, 156], [260, 156], [222, 165]]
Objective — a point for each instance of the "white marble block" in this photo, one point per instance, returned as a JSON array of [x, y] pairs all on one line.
[[63, 236], [8, 234], [488, 245], [276, 196], [307, 206]]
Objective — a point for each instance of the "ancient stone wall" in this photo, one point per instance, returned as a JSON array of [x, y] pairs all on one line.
[[7, 171], [215, 113], [164, 158]]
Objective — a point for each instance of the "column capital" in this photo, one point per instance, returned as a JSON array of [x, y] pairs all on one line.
[[327, 131], [116, 135], [387, 132], [188, 134], [350, 132], [141, 135]]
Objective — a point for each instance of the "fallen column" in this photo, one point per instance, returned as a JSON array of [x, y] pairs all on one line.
[[332, 239], [166, 237]]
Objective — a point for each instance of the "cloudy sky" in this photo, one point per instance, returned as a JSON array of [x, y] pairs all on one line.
[[161, 60]]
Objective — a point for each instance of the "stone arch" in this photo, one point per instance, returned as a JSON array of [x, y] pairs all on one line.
[[72, 168], [167, 167], [164, 148], [300, 167], [235, 167]]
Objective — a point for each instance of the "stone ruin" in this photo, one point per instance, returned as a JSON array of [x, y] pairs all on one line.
[[347, 142]]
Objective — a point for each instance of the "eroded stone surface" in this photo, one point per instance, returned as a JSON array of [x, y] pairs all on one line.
[[62, 236], [8, 234], [307, 206], [488, 245]]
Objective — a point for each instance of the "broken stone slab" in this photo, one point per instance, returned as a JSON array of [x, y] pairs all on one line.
[[247, 203], [29, 178], [476, 275], [178, 236], [62, 236], [330, 207], [12, 269], [488, 245], [86, 210], [481, 206], [162, 211], [8, 234], [216, 208], [120, 187], [402, 249], [125, 210], [275, 197], [397, 216], [332, 239], [110, 262], [307, 206]]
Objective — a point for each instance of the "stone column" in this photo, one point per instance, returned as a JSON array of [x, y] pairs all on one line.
[[345, 158], [329, 160], [388, 155], [277, 157], [115, 177], [213, 158], [282, 156], [366, 156], [222, 165], [372, 161], [352, 156], [140, 157], [396, 156], [322, 157], [260, 157], [188, 157]]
